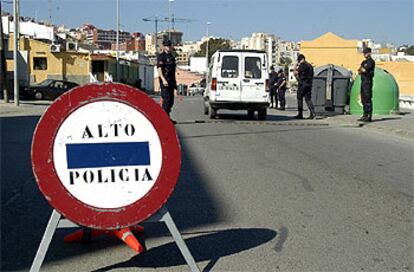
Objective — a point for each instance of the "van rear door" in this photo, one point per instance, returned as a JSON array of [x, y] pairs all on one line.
[[254, 78], [228, 77]]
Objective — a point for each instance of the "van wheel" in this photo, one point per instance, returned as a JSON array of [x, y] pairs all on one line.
[[212, 112], [262, 114], [250, 114], [205, 107]]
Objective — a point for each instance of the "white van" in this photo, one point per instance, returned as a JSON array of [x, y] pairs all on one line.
[[237, 80]]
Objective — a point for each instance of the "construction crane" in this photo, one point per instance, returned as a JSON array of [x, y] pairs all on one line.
[[156, 20], [173, 20]]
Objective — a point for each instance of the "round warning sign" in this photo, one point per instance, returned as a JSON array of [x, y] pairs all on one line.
[[106, 156]]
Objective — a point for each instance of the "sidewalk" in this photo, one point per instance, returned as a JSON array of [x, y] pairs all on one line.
[[26, 108], [396, 124]]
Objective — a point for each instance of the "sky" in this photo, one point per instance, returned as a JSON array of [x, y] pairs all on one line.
[[389, 21]]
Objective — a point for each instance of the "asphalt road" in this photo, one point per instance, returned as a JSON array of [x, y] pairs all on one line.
[[280, 195]]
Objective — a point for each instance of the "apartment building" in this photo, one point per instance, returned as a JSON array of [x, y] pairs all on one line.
[[186, 51], [135, 44], [103, 39], [150, 39]]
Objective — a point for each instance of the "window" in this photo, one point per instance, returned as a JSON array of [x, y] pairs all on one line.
[[230, 67], [58, 84], [252, 67], [39, 64]]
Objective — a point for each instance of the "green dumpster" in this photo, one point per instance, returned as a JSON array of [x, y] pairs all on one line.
[[385, 97]]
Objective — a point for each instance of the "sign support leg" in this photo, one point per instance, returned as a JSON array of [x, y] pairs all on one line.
[[46, 239], [167, 219], [163, 215]]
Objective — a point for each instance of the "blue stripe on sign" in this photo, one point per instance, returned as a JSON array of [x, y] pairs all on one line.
[[107, 154]]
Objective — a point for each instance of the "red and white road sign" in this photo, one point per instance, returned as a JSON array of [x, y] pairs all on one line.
[[106, 156]]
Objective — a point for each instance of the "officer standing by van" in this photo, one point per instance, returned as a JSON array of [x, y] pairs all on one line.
[[273, 79], [166, 67], [281, 89], [304, 74], [366, 70]]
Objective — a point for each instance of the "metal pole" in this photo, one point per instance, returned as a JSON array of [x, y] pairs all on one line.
[[117, 40], [207, 47], [169, 18], [50, 11], [3, 69], [156, 35], [15, 51]]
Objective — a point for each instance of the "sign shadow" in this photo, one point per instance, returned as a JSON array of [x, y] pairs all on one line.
[[210, 246]]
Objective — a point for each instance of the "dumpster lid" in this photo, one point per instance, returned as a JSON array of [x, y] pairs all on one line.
[[340, 69]]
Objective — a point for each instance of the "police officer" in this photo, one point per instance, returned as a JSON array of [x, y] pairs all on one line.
[[304, 74], [166, 70], [366, 70], [273, 78], [281, 89]]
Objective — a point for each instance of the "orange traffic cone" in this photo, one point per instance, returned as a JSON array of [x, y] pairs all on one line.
[[128, 237], [82, 235]]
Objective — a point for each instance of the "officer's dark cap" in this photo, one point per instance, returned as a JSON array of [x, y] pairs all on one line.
[[280, 71], [166, 43], [272, 68], [301, 57], [366, 50]]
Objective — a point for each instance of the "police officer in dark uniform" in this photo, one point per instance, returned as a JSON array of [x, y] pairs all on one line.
[[367, 74], [273, 78], [304, 74], [281, 89], [166, 72]]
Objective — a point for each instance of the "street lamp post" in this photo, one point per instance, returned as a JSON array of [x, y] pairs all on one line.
[[117, 40], [207, 46], [3, 69], [169, 18], [156, 35], [16, 51]]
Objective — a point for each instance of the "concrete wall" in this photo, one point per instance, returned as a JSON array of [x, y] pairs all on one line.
[[62, 65], [146, 74], [183, 77], [403, 73], [332, 49]]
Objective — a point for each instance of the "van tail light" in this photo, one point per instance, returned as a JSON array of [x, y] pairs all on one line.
[[267, 85], [214, 84]]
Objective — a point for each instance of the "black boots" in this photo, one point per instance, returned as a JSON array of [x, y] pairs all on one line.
[[311, 116], [299, 116], [365, 118]]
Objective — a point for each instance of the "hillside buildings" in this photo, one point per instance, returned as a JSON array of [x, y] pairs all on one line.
[[279, 52]]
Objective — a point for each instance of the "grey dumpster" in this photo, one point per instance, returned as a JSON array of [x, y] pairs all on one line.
[[330, 91]]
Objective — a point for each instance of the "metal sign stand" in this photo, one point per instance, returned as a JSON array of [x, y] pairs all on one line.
[[57, 222]]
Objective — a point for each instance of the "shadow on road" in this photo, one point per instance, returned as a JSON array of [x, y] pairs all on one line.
[[206, 247], [232, 116], [25, 212], [375, 120], [256, 132]]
